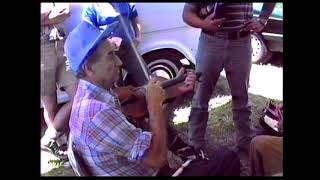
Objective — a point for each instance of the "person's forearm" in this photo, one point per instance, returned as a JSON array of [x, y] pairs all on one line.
[[158, 148], [190, 16], [45, 18], [266, 11], [136, 26]]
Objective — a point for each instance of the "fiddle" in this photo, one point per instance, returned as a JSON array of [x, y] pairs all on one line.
[[133, 101]]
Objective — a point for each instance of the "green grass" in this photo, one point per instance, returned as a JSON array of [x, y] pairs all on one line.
[[220, 129], [60, 171]]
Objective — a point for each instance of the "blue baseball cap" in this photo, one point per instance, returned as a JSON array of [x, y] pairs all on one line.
[[83, 39]]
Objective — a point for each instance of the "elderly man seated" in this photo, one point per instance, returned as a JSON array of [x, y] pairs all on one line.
[[100, 134]]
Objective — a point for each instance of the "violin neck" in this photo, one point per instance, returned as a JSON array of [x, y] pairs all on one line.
[[173, 82]]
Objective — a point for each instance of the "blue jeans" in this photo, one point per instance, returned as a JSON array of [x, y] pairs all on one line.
[[214, 54]]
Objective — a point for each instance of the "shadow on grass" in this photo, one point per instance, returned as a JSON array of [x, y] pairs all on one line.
[[60, 171]]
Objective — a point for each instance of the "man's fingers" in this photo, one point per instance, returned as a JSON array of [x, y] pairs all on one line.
[[158, 83], [211, 16], [152, 80], [191, 76], [155, 81], [190, 81], [220, 20]]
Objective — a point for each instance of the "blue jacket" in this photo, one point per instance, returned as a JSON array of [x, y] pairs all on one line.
[[103, 14]]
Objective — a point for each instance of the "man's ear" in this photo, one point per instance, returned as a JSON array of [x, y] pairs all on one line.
[[87, 68]]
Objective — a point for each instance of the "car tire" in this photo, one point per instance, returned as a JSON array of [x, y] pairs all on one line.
[[260, 52], [164, 63]]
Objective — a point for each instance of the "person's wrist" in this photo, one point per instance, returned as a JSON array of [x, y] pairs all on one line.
[[154, 108], [202, 25]]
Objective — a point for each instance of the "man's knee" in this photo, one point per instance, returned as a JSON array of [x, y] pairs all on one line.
[[240, 103]]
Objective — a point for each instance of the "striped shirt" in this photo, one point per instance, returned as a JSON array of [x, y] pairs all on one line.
[[108, 143], [236, 14]]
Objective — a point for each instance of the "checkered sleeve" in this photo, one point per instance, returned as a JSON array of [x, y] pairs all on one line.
[[109, 130]]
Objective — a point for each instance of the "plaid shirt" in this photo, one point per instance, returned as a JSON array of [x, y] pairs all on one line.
[[108, 143]]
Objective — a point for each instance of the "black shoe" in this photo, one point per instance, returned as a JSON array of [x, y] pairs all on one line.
[[54, 149], [186, 153], [200, 153]]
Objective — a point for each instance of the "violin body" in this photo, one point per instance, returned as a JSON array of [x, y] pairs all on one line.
[[133, 100]]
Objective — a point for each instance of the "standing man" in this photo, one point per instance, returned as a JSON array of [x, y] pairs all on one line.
[[54, 74], [224, 43]]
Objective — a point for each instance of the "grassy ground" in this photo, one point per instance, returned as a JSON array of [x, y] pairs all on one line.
[[60, 171], [220, 130]]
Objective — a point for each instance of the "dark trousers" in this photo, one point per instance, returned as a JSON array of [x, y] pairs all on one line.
[[222, 162], [215, 54]]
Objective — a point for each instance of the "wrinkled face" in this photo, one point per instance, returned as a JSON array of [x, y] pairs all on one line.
[[107, 66]]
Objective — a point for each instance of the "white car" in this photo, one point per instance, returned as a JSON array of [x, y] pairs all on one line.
[[168, 43]]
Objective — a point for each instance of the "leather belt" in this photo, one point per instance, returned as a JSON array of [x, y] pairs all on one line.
[[229, 35]]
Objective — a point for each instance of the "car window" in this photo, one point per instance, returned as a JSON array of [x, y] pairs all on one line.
[[277, 12]]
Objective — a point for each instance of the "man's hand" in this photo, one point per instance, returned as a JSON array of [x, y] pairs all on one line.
[[155, 95], [259, 25], [255, 26], [157, 152], [137, 40], [189, 82], [210, 24]]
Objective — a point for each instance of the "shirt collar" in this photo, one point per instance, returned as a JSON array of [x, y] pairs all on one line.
[[104, 95]]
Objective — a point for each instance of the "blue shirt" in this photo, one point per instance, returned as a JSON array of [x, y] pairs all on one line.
[[75, 18], [103, 14]]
